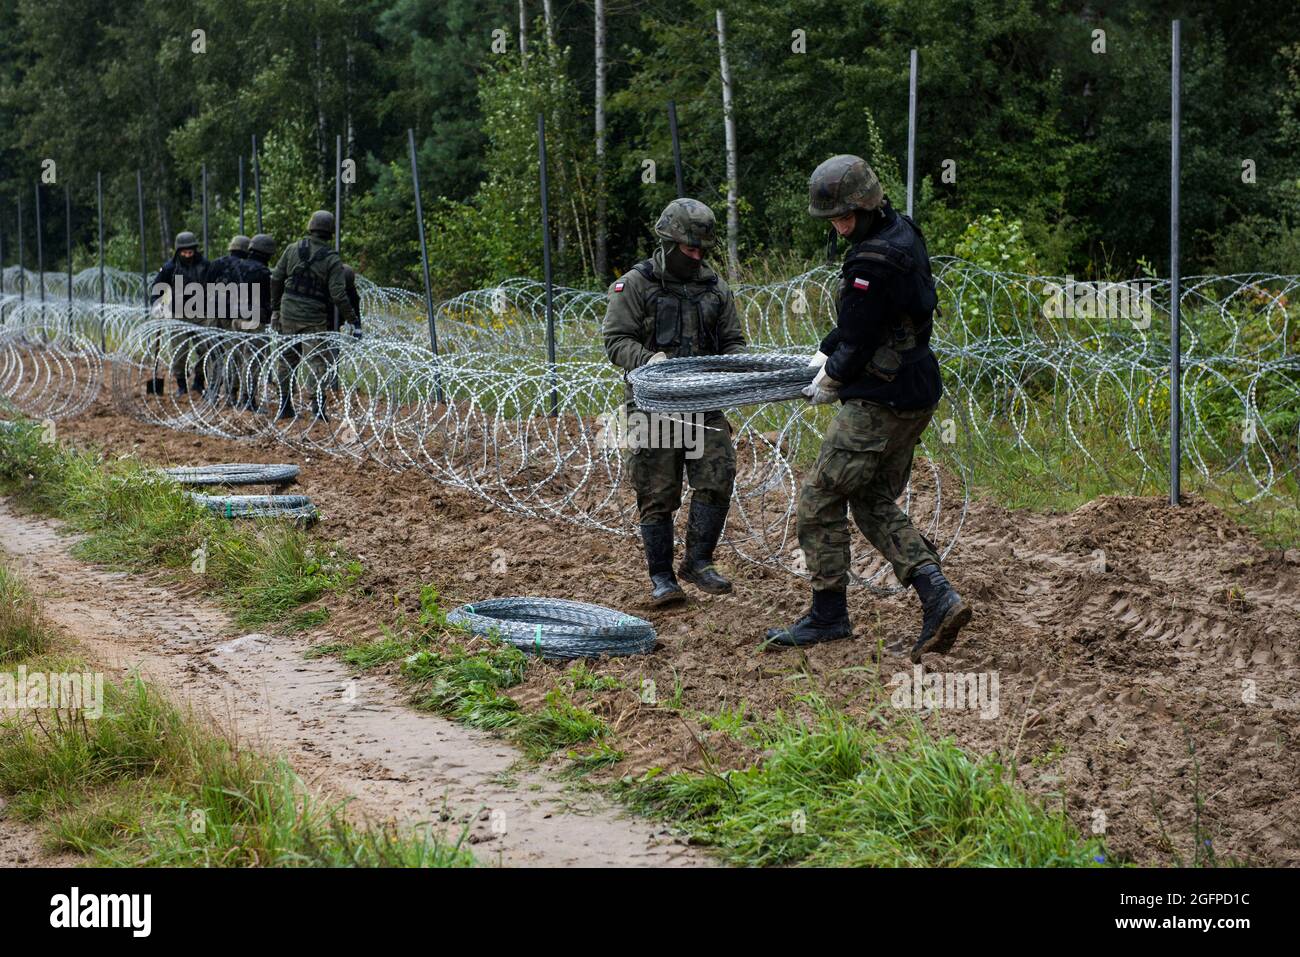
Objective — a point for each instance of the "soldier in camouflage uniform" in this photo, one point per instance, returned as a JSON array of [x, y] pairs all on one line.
[[227, 270], [877, 362], [187, 264], [253, 332], [307, 282], [674, 305]]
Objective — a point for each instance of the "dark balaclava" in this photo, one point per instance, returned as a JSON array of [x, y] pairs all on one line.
[[679, 265]]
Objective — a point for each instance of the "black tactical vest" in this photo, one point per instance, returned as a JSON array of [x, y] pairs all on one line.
[[683, 325], [900, 250]]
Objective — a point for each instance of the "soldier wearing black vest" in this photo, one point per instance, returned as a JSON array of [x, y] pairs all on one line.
[[674, 305], [877, 362], [187, 265]]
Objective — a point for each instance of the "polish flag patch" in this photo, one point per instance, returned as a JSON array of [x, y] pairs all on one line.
[[618, 286], [861, 285]]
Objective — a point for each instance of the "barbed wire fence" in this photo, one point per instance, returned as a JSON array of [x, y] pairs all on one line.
[[1039, 370]]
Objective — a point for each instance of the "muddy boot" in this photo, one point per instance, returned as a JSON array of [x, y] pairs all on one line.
[[658, 541], [827, 620], [180, 385], [702, 534], [944, 613], [198, 384], [286, 409]]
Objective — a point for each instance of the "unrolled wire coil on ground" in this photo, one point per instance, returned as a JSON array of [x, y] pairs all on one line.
[[233, 474], [716, 383], [258, 506], [557, 627]]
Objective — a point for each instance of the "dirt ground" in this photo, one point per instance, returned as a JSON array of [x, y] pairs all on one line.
[[1148, 659]]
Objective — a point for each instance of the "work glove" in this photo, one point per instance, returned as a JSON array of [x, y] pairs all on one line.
[[356, 331], [817, 361], [822, 389], [657, 357]]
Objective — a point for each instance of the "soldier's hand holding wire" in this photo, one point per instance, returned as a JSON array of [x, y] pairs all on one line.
[[817, 361], [657, 357], [822, 389]]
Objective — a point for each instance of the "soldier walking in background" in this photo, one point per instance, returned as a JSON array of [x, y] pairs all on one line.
[[187, 264], [306, 284], [228, 270], [877, 363], [252, 335], [672, 305]]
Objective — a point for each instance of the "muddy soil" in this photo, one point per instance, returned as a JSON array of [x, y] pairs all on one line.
[[1148, 659], [350, 736]]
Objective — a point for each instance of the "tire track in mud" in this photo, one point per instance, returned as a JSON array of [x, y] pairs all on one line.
[[349, 734]]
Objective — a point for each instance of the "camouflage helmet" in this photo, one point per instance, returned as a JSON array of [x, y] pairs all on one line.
[[186, 240], [840, 185], [239, 244], [262, 243], [687, 221], [322, 221]]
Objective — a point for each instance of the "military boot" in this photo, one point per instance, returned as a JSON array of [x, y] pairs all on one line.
[[658, 541], [943, 612], [286, 408], [827, 620], [181, 388], [702, 534], [198, 385]]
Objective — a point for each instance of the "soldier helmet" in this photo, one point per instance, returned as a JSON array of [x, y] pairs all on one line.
[[840, 185], [186, 240], [687, 221], [321, 223], [239, 244], [262, 243]]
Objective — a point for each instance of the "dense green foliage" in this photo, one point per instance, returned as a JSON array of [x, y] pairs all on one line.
[[1069, 142]]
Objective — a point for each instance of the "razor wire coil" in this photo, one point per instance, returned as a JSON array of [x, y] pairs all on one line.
[[556, 627], [258, 506], [717, 383], [233, 474]]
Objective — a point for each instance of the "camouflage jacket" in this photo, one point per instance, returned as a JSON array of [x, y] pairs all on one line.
[[651, 312], [308, 282]]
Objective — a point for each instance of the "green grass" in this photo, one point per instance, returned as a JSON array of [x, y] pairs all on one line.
[[23, 633], [133, 518], [561, 724], [833, 791], [145, 784]]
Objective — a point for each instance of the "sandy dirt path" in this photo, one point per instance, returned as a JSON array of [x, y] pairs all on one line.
[[348, 734]]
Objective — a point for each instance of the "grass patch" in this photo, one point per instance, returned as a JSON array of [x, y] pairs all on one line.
[[560, 724], [134, 518], [835, 792], [23, 633], [145, 784]]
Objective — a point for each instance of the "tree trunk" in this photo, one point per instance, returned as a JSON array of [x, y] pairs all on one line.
[[601, 211], [729, 122]]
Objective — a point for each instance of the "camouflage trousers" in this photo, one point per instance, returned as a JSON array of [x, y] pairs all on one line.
[[312, 352], [194, 350], [864, 465], [704, 453]]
